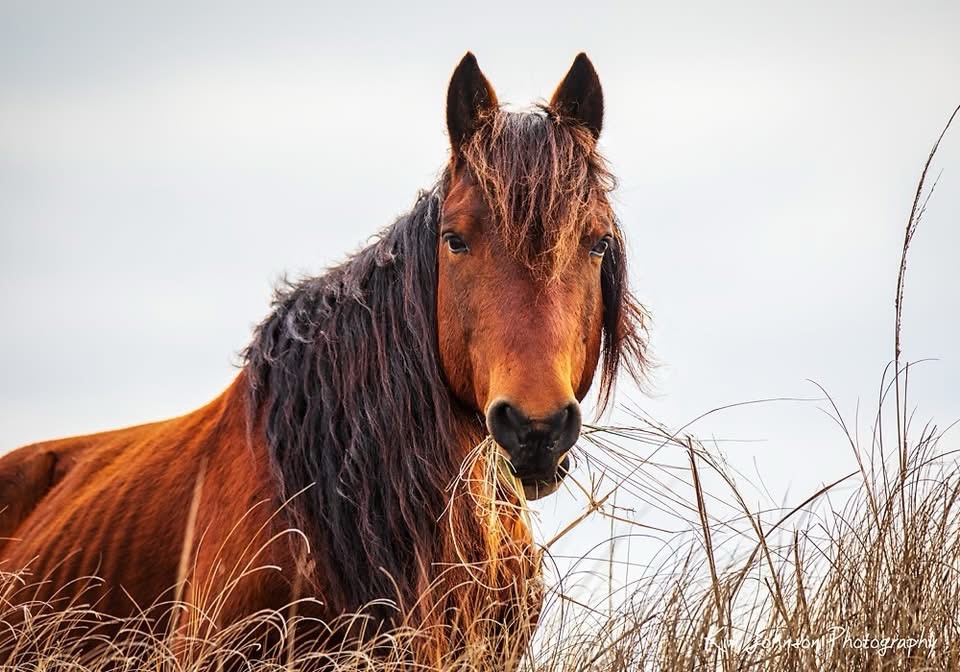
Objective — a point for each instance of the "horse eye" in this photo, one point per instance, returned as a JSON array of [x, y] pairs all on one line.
[[602, 246], [455, 243]]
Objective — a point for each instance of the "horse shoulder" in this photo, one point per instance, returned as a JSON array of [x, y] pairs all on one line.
[[245, 552]]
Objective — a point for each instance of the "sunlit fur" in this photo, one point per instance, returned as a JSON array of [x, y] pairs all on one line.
[[341, 425]]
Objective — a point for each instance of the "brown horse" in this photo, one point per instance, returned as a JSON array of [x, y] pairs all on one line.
[[329, 469]]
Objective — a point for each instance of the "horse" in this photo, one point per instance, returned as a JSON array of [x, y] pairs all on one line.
[[381, 410]]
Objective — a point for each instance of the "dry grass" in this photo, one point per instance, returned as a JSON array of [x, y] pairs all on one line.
[[815, 588], [869, 583], [872, 585]]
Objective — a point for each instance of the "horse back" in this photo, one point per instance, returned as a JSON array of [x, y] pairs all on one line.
[[144, 509], [30, 473]]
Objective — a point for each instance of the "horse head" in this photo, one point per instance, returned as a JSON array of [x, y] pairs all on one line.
[[531, 268]]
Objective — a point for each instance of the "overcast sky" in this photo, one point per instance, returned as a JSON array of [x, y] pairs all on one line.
[[162, 166]]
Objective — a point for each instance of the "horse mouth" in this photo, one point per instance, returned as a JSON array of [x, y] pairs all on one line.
[[539, 487]]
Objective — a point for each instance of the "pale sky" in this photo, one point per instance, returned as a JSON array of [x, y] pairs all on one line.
[[162, 166]]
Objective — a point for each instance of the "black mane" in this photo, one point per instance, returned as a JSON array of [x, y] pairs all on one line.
[[346, 375]]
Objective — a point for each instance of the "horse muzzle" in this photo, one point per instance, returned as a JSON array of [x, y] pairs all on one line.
[[537, 448], [537, 487]]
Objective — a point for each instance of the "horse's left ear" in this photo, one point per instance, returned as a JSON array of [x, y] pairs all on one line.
[[469, 99], [579, 95]]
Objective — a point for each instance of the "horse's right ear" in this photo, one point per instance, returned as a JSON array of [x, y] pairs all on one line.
[[469, 98]]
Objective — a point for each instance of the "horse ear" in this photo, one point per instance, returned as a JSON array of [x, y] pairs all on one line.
[[579, 95], [469, 98]]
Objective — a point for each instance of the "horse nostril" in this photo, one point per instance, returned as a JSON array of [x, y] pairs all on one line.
[[514, 417], [565, 428], [508, 425]]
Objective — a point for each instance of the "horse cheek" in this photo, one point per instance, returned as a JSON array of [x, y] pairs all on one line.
[[590, 335], [452, 341]]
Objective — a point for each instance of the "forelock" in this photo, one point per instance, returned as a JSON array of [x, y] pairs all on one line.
[[543, 182]]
